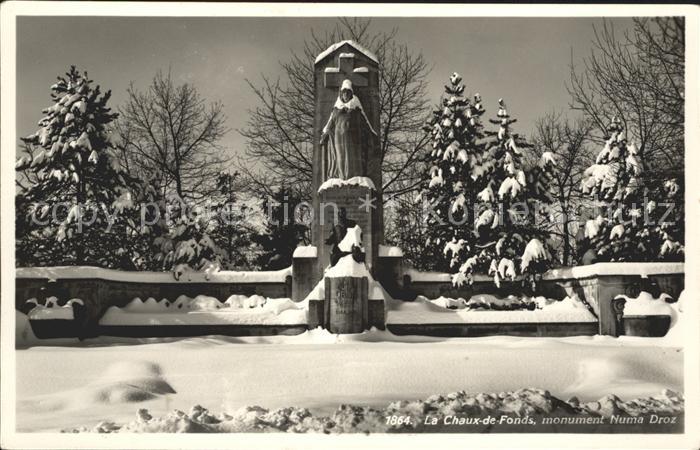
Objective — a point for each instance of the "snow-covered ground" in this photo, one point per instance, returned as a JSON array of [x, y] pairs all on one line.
[[515, 411], [67, 384]]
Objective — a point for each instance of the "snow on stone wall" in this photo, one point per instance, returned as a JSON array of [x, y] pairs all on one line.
[[205, 310], [305, 251], [52, 311], [457, 311], [438, 277], [616, 268], [87, 272], [646, 305], [643, 269]]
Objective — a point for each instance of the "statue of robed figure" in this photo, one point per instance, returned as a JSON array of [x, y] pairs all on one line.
[[342, 136]]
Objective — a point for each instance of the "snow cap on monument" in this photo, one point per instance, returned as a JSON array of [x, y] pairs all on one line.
[[352, 44]]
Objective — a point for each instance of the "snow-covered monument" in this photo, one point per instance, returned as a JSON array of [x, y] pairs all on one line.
[[347, 182], [347, 280]]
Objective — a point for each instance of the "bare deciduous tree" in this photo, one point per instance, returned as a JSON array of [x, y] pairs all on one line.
[[170, 136], [639, 77], [567, 141], [280, 129]]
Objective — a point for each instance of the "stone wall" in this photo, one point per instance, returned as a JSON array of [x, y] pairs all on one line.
[[500, 329], [598, 285], [99, 294]]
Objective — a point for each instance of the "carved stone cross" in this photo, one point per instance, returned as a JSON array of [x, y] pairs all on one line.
[[346, 70]]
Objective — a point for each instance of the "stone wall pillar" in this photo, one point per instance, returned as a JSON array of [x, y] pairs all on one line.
[[304, 272], [606, 304], [389, 271], [316, 313], [376, 314]]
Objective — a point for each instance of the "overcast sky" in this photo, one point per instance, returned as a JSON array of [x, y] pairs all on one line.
[[524, 60]]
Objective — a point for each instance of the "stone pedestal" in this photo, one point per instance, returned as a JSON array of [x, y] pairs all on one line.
[[346, 306]]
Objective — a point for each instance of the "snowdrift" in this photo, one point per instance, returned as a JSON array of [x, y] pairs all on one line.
[[122, 382], [518, 410]]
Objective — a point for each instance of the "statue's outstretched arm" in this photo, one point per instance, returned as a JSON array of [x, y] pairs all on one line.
[[329, 125], [369, 125]]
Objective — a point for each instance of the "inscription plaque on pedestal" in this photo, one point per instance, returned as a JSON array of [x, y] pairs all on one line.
[[346, 304]]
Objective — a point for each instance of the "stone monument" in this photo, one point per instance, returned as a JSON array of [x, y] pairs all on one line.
[[346, 159], [347, 191]]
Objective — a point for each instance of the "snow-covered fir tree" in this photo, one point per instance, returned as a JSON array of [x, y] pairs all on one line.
[[507, 241], [183, 241], [669, 216], [71, 186], [239, 218], [454, 169], [212, 234], [629, 225], [283, 232]]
